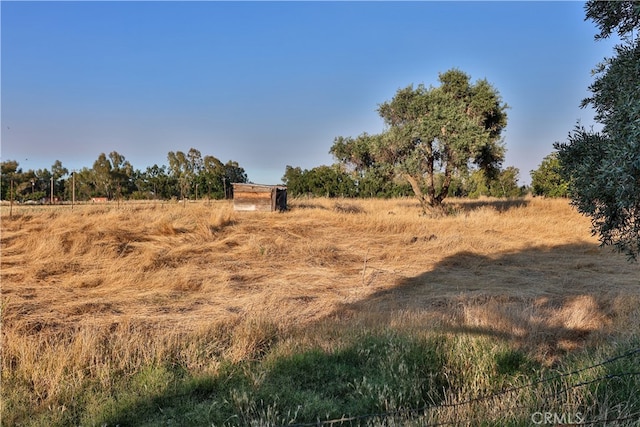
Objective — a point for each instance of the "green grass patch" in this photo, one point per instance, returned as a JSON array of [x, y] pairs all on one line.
[[465, 379]]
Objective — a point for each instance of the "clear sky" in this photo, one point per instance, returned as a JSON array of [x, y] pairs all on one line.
[[271, 84]]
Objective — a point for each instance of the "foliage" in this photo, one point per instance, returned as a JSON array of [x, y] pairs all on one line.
[[620, 16], [430, 131], [380, 181], [504, 184], [184, 168], [294, 180], [216, 179], [196, 175], [112, 176], [547, 180], [321, 181], [31, 185], [604, 167], [155, 182], [9, 170], [335, 181]]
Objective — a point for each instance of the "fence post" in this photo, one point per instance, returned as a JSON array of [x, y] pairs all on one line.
[[11, 198]]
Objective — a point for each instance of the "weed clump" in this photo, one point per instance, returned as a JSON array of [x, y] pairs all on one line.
[[348, 208]]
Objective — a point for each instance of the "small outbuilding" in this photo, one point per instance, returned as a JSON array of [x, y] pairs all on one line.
[[258, 197]]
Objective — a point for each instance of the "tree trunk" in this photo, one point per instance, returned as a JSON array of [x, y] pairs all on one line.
[[444, 191], [431, 206]]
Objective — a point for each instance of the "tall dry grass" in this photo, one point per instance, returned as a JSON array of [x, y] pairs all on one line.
[[98, 292]]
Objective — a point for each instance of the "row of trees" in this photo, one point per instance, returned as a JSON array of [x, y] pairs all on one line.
[[335, 181], [188, 175]]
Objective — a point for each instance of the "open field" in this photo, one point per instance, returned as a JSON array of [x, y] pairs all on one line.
[[119, 315]]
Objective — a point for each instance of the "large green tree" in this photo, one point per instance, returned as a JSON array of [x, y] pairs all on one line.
[[198, 176], [112, 175], [57, 172], [294, 179], [154, 182], [10, 177], [435, 131], [233, 173], [185, 168], [604, 167], [216, 179]]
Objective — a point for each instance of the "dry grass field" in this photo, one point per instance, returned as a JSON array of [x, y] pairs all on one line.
[[99, 292]]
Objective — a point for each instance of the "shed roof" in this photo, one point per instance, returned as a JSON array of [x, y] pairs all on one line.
[[258, 186]]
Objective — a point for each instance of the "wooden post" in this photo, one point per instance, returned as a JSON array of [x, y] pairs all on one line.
[[224, 186], [11, 198], [73, 189]]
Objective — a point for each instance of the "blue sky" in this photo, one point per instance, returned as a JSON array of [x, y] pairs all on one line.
[[271, 84]]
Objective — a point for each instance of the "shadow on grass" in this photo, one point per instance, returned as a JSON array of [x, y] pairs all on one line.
[[373, 373], [548, 300], [499, 205], [304, 204], [545, 300]]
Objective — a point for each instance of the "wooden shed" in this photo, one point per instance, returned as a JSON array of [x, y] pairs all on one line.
[[258, 197]]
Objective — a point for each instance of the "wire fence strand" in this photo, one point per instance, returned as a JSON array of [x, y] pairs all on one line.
[[425, 409]]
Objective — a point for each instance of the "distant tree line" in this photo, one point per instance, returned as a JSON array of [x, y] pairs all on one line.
[[335, 181], [187, 176]]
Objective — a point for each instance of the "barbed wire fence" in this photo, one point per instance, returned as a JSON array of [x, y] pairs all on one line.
[[426, 410]]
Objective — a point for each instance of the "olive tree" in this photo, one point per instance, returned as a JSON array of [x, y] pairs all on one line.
[[603, 168], [435, 131]]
